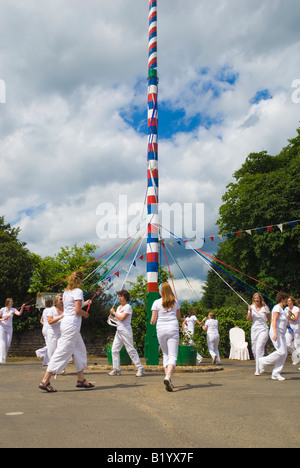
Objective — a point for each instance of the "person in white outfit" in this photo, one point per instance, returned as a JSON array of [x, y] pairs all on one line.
[[277, 334], [7, 314], [259, 315], [213, 337], [42, 353], [293, 331], [54, 315], [165, 314], [124, 335], [188, 329], [71, 341]]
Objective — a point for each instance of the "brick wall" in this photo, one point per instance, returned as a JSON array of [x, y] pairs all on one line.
[[28, 342]]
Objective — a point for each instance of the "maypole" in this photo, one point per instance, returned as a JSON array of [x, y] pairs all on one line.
[[151, 343]]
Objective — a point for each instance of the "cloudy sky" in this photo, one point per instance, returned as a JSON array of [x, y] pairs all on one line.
[[73, 129]]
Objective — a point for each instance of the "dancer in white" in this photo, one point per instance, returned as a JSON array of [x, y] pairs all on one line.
[[188, 329], [213, 337], [42, 353], [259, 315], [277, 335], [165, 314], [54, 316], [293, 331], [71, 341], [6, 327], [124, 335]]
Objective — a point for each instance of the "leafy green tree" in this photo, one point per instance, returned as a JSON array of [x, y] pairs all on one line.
[[266, 193], [16, 265], [51, 274]]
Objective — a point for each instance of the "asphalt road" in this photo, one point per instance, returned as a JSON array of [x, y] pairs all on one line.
[[229, 408]]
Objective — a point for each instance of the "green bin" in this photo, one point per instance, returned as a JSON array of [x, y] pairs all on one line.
[[187, 356], [124, 357]]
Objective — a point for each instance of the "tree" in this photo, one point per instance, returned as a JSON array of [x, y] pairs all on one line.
[[266, 193], [16, 265], [51, 274]]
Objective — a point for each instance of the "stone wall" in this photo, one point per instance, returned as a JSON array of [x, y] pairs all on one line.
[[28, 342]]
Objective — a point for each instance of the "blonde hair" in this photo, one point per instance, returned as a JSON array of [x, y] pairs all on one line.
[[168, 298], [262, 301], [75, 280], [56, 299], [8, 300]]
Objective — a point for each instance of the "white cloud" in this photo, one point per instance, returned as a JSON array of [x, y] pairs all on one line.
[[71, 71]]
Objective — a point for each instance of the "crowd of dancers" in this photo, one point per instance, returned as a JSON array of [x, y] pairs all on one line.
[[62, 320]]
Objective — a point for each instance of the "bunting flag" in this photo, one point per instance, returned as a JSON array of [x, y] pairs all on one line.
[[240, 233]]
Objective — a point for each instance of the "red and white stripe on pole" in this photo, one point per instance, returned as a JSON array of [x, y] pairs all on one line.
[[152, 158]]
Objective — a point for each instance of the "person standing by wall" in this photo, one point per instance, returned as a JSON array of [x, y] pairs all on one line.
[[7, 314]]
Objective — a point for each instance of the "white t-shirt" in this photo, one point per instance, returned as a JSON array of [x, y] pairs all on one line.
[[190, 325], [166, 318], [212, 326], [52, 312], [282, 321], [259, 317], [126, 323], [69, 299], [7, 313], [45, 319], [295, 326]]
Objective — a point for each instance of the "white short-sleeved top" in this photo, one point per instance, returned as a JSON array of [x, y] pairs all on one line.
[[282, 321], [190, 324], [259, 318], [52, 312], [7, 313], [212, 326], [126, 323], [69, 299], [166, 317], [295, 326]]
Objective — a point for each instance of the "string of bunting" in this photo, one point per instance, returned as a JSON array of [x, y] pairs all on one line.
[[251, 231]]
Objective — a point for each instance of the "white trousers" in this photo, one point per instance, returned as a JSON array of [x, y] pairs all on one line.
[[278, 357], [290, 342], [169, 342], [43, 352], [259, 341], [213, 341], [6, 334], [69, 343], [52, 341], [124, 338]]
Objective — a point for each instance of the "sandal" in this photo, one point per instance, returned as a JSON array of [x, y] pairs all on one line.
[[84, 384], [47, 388]]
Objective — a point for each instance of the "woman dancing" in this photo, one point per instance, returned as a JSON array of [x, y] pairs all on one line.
[[71, 341]]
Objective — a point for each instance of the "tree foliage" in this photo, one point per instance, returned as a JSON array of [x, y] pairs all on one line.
[[266, 192], [16, 265]]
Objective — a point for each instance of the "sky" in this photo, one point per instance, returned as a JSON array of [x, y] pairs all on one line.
[[73, 128]]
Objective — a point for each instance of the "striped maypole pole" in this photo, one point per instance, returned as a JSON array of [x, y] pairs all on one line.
[[151, 342], [152, 160]]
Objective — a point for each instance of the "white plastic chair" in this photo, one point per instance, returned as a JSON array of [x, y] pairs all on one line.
[[239, 347]]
